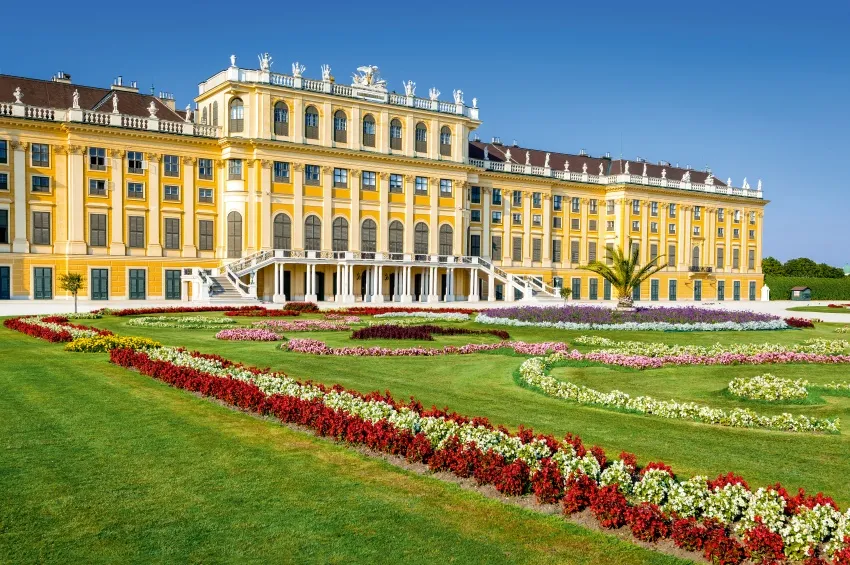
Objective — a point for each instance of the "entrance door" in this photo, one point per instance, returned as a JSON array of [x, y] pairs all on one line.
[[137, 284], [697, 291], [287, 285], [172, 285], [5, 283], [417, 286], [392, 285], [320, 286], [100, 284], [443, 285], [363, 293], [335, 292]]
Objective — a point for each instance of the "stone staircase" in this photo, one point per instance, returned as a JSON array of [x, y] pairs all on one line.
[[222, 290]]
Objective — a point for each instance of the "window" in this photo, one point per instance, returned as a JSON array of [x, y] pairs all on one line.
[[396, 236], [421, 138], [171, 166], [736, 233], [576, 205], [497, 197], [671, 229], [215, 113], [696, 230], [672, 210], [282, 232], [281, 119], [496, 245], [751, 259], [736, 290], [475, 245], [4, 152], [369, 180], [536, 252], [736, 258], [395, 135], [339, 232], [445, 188], [475, 215], [516, 251], [671, 255], [593, 289], [40, 155], [311, 123], [752, 218], [136, 231], [311, 175], [369, 237], [446, 243], [575, 224], [635, 249], [591, 251], [609, 225], [135, 162], [557, 202], [557, 222], [752, 234], [341, 178], [721, 232], [43, 283], [40, 184], [41, 228], [609, 207], [516, 219], [653, 251], [697, 212], [720, 257], [536, 200], [421, 186], [205, 169], [420, 239], [205, 195], [594, 206], [369, 131], [536, 220], [396, 184], [556, 250], [172, 233], [237, 116], [653, 227], [737, 216], [720, 214], [281, 171], [695, 257], [97, 230], [205, 235], [609, 251], [635, 206], [445, 142], [137, 290], [312, 233], [591, 225], [576, 290], [97, 187], [340, 126], [721, 290], [475, 195], [4, 226], [4, 181], [671, 293], [135, 190], [752, 294], [234, 169], [574, 251], [517, 199], [653, 208], [97, 158], [635, 225], [496, 217], [171, 192]]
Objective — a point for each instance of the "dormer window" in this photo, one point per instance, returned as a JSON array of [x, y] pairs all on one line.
[[237, 116], [281, 119], [340, 127], [311, 123]]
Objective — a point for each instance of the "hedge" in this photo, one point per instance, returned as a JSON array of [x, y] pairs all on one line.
[[822, 289]]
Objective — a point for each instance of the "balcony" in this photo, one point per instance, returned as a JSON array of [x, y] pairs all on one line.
[[696, 270]]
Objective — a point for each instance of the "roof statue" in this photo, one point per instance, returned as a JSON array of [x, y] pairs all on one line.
[[601, 169], [458, 94], [546, 164], [745, 185], [265, 61], [233, 60], [298, 69], [475, 102], [758, 186], [486, 154], [584, 167], [326, 73], [433, 94], [188, 113], [729, 181], [18, 95], [663, 173], [508, 156], [527, 157], [626, 168], [114, 102], [76, 103], [644, 169], [152, 109], [686, 177], [409, 88], [369, 78], [709, 179], [566, 166]]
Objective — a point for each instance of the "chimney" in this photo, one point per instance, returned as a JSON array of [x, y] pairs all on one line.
[[62, 77], [582, 153], [607, 154], [515, 143], [118, 84], [495, 140], [167, 98]]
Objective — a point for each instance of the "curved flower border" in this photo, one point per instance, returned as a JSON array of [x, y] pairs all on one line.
[[317, 347], [483, 318], [769, 388]]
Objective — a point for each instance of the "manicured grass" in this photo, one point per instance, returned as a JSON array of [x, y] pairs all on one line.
[[101, 464], [484, 385], [822, 309]]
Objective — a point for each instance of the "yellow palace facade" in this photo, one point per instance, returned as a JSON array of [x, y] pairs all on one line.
[[279, 187]]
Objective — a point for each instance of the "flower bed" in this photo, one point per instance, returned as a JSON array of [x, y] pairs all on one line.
[[343, 318], [103, 343], [422, 333], [769, 387], [173, 310], [842, 386], [641, 362], [815, 346], [52, 328], [316, 347], [302, 326], [697, 514], [598, 315], [842, 330], [492, 317], [431, 316], [247, 334], [799, 323], [301, 307], [376, 311], [534, 373], [182, 322], [263, 313]]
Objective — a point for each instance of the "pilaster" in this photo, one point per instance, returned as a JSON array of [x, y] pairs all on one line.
[[355, 180], [153, 194], [434, 219], [486, 199], [76, 222], [20, 244], [298, 206], [327, 206], [265, 222], [547, 230], [409, 189], [189, 199], [383, 212], [117, 246], [251, 207]]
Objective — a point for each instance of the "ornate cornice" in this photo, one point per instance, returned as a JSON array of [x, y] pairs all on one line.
[[190, 161], [60, 150], [266, 164], [153, 157], [76, 149], [117, 153]]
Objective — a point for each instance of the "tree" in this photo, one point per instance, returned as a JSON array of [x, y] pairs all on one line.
[[565, 293], [73, 283], [624, 273], [772, 266], [801, 267]]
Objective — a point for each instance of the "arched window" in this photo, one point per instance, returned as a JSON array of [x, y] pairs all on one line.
[[204, 116], [237, 116], [313, 233], [421, 138], [445, 142], [215, 113], [234, 235], [368, 131], [282, 232], [396, 237], [340, 234], [311, 123], [281, 119], [420, 239], [395, 134], [446, 245], [368, 236], [340, 125], [695, 257]]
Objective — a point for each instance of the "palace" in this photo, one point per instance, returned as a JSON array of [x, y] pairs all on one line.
[[279, 187]]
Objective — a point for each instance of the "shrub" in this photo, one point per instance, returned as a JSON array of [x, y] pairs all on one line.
[[174, 310], [822, 289], [301, 307], [103, 343], [373, 310]]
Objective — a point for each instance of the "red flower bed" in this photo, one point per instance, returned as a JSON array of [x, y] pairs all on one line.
[[301, 307], [763, 546], [373, 310], [610, 507], [647, 522], [48, 334], [263, 313], [423, 333], [179, 310], [799, 323]]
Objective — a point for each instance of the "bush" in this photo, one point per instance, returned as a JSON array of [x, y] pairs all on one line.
[[104, 343], [822, 289], [301, 307]]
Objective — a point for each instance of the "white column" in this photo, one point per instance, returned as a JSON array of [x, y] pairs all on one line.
[[153, 194], [19, 162], [450, 286], [378, 291], [311, 284], [351, 283], [278, 283], [473, 282], [405, 285], [338, 293], [117, 246], [491, 288], [432, 285]]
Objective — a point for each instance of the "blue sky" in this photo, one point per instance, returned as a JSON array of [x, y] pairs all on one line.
[[756, 90]]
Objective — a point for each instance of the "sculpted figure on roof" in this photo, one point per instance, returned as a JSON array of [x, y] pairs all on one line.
[[546, 164], [265, 61], [528, 158]]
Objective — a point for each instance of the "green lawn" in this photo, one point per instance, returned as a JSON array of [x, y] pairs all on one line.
[[821, 309], [101, 464]]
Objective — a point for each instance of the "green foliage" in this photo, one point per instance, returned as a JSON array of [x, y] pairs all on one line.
[[565, 293], [772, 266], [625, 272], [822, 288], [800, 267], [73, 283]]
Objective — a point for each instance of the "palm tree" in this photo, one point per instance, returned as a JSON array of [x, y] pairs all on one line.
[[624, 273]]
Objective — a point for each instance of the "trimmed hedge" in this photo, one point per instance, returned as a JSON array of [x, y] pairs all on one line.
[[822, 289]]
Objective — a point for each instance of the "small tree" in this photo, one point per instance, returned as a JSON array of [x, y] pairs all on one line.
[[565, 293], [73, 283], [624, 273]]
